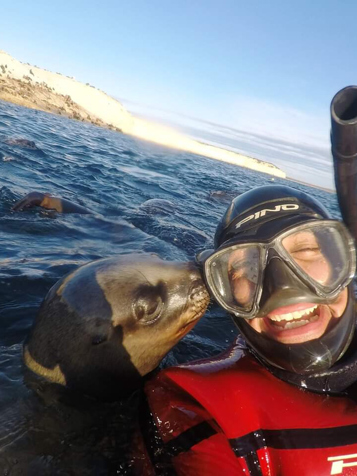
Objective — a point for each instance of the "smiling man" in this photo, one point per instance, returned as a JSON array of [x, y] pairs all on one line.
[[282, 269]]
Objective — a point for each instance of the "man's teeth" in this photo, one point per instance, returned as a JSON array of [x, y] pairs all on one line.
[[293, 315], [299, 323]]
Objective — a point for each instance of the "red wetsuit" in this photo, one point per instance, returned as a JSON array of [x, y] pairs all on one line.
[[230, 416]]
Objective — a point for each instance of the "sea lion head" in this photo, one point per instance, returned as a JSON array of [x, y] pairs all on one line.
[[106, 325]]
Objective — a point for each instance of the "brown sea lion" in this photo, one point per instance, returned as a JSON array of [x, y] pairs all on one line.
[[25, 143], [107, 324], [45, 200]]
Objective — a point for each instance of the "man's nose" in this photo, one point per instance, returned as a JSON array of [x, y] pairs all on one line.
[[281, 287], [278, 275]]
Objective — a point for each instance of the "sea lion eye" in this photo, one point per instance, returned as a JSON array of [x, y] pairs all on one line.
[[148, 305]]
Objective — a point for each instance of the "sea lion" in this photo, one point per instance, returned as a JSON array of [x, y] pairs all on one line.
[[45, 200], [25, 143], [158, 206], [107, 324]]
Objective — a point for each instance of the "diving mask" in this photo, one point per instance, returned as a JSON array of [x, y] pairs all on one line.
[[320, 254]]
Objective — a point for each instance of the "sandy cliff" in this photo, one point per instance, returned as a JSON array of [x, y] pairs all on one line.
[[36, 88]]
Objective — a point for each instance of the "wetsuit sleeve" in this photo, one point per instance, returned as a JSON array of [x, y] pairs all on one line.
[[181, 437]]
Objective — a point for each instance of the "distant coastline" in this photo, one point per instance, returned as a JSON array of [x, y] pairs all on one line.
[[36, 88], [319, 187]]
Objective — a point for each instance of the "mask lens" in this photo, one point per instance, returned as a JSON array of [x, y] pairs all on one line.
[[321, 252], [235, 274]]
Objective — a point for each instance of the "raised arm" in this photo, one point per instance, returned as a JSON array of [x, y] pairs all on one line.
[[44, 200]]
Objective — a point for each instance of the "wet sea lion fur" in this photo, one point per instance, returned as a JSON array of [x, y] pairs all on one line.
[[107, 324]]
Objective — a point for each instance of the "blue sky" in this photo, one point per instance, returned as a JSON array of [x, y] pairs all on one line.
[[269, 67]]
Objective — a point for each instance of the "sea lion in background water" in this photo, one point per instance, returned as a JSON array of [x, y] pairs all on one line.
[[158, 206], [45, 200], [25, 143], [107, 324]]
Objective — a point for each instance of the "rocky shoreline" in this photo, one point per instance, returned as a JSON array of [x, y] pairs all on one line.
[[36, 88], [41, 97]]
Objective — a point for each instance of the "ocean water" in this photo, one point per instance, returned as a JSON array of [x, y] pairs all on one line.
[[120, 179], [306, 158]]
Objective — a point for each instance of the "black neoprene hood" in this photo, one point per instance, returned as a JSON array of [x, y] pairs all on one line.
[[261, 205]]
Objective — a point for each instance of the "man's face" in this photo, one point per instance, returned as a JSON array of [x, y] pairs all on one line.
[[295, 323]]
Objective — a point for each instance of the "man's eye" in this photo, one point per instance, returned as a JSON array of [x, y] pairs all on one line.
[[237, 265], [308, 248], [306, 252]]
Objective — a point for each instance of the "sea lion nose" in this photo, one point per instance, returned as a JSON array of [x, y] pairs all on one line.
[[196, 278], [198, 293], [196, 286]]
